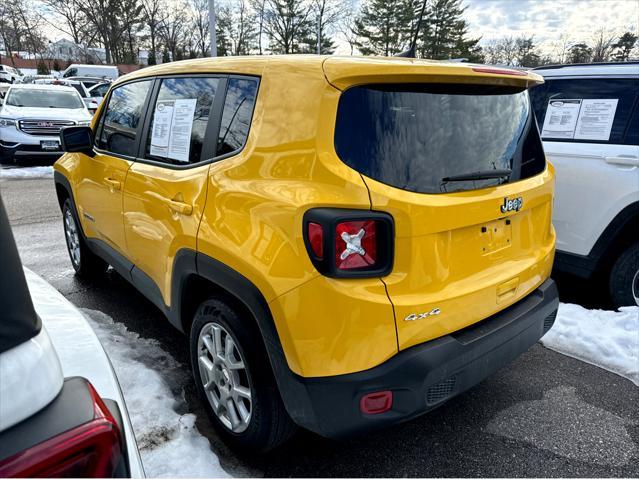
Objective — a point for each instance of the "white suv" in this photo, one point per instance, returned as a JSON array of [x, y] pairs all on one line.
[[588, 116], [31, 118], [8, 74]]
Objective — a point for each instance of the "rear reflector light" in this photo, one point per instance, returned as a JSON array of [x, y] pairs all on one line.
[[355, 244], [499, 71], [92, 449], [377, 402], [316, 239]]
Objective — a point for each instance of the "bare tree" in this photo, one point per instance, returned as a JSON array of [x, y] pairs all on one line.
[[287, 24], [604, 44], [172, 30], [153, 16], [327, 14], [259, 9], [200, 26]]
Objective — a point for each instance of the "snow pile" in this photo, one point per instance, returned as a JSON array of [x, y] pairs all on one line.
[[30, 172], [152, 383], [608, 339]]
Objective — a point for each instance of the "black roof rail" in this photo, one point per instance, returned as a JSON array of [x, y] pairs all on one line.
[[555, 67]]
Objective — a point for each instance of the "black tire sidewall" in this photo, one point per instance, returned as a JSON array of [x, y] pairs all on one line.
[[622, 276], [263, 390]]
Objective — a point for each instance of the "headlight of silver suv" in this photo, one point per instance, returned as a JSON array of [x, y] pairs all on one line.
[[6, 122]]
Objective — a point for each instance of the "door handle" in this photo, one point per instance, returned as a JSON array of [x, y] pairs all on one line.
[[624, 160], [180, 207], [115, 184]]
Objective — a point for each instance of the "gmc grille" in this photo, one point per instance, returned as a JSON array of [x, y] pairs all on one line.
[[43, 127]]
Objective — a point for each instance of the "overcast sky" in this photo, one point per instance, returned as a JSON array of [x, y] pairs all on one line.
[[548, 20]]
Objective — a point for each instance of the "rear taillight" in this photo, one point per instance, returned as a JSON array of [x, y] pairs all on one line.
[[349, 243], [92, 449]]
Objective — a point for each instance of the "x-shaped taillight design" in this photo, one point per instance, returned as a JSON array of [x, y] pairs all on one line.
[[353, 244]]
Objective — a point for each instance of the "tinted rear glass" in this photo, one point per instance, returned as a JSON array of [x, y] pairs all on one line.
[[414, 136], [624, 90]]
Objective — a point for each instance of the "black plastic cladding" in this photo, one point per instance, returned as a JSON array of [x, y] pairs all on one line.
[[328, 219]]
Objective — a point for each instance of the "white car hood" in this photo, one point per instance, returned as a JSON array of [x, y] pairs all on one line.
[[24, 113]]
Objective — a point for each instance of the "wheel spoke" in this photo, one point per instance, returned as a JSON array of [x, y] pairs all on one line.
[[242, 391], [233, 416]]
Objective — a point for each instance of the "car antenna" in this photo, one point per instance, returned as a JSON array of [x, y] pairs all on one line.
[[410, 53]]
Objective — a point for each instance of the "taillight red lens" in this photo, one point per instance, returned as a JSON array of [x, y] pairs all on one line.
[[92, 449], [316, 239], [355, 244], [377, 402]]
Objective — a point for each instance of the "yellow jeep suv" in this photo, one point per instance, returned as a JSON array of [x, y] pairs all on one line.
[[348, 242]]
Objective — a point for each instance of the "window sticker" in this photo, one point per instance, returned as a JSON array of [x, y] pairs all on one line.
[[595, 119], [172, 125], [579, 119], [561, 119]]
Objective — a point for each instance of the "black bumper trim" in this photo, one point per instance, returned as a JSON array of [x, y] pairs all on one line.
[[425, 376]]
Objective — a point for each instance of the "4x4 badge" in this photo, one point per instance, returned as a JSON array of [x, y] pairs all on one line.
[[416, 316], [512, 205]]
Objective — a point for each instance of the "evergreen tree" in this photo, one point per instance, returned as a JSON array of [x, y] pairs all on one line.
[[624, 46], [580, 53], [383, 27], [42, 68], [444, 33]]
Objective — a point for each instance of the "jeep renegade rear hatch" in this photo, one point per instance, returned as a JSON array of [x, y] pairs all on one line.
[[438, 138]]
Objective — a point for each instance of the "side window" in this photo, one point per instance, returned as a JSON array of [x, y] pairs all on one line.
[[180, 116], [236, 118], [117, 132], [599, 109], [632, 133]]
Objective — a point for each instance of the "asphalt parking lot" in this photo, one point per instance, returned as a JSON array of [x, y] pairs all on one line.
[[544, 415]]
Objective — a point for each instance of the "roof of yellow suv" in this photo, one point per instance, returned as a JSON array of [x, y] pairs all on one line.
[[344, 71]]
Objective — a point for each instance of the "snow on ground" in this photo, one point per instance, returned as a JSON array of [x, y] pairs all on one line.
[[26, 172], [608, 339], [152, 383]]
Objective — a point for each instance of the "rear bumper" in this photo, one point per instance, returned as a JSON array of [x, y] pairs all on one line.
[[424, 376]]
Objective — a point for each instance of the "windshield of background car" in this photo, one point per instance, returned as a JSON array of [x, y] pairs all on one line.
[[412, 136], [44, 99]]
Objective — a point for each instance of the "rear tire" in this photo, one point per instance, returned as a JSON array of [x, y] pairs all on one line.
[[84, 261], [227, 355], [624, 278]]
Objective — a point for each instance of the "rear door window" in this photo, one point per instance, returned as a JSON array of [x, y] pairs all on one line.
[[608, 122], [179, 120], [119, 125], [418, 136]]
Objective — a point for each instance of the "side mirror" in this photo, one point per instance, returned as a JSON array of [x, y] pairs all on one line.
[[77, 139]]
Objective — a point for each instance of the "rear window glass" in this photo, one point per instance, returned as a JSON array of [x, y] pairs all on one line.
[[619, 93], [419, 137]]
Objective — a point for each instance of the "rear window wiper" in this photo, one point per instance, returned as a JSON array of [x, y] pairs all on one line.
[[479, 175]]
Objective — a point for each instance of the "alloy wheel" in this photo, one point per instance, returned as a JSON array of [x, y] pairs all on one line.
[[225, 378], [72, 237]]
